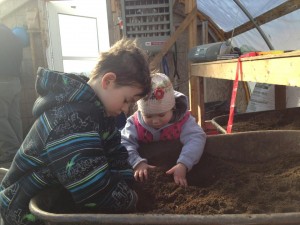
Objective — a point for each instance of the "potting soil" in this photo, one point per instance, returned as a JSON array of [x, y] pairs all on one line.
[[217, 186]]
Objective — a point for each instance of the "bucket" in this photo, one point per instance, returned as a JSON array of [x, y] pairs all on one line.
[[243, 147], [285, 119]]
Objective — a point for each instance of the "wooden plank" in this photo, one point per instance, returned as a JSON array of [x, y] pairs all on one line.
[[192, 42], [205, 32], [200, 82], [281, 69], [200, 101], [171, 40], [113, 6], [33, 51], [280, 97], [217, 31]]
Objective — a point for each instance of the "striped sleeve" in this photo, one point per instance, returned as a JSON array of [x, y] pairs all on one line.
[[118, 157], [79, 162]]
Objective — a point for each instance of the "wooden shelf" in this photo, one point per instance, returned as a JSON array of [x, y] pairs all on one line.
[[281, 69], [277, 69]]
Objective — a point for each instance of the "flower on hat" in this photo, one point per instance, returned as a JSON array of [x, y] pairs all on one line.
[[159, 93], [161, 98]]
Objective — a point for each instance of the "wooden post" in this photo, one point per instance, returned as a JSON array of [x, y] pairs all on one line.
[[201, 82], [204, 32], [33, 51], [280, 96], [192, 37]]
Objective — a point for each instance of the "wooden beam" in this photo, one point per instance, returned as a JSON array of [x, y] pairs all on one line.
[[192, 42], [280, 96], [212, 26], [113, 6], [204, 32], [201, 83], [200, 107], [171, 40], [281, 10]]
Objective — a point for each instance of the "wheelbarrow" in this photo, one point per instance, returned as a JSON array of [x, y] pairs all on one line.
[[245, 147]]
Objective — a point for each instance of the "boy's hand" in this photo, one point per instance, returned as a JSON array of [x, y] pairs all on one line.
[[179, 173], [141, 171]]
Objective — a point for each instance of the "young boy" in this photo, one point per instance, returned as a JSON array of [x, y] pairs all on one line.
[[163, 115], [74, 142]]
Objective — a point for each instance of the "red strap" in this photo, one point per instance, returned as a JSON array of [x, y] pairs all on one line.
[[233, 95]]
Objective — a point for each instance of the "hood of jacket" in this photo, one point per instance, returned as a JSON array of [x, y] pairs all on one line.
[[181, 106], [57, 88]]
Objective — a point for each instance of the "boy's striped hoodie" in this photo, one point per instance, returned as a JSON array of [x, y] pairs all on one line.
[[72, 144]]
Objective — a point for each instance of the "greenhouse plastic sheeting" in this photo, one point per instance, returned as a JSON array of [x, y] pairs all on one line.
[[283, 33]]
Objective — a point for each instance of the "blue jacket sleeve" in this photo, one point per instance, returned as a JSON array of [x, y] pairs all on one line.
[[117, 156], [90, 171]]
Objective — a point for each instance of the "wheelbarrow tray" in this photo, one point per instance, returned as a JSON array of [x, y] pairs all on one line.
[[256, 146]]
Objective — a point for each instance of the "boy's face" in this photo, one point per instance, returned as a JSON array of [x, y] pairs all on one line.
[[119, 99], [116, 99], [158, 120]]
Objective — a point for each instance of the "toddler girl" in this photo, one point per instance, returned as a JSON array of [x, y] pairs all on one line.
[[163, 115]]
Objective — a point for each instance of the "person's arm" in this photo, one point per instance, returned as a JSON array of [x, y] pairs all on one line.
[[130, 141], [117, 156], [193, 139], [81, 164]]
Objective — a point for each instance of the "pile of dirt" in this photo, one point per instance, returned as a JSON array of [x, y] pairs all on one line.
[[265, 122], [218, 186], [287, 119]]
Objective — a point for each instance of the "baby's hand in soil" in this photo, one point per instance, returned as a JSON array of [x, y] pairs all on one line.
[[141, 171], [179, 173]]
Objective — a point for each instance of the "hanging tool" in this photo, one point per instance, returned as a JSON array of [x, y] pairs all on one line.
[[165, 65], [176, 74]]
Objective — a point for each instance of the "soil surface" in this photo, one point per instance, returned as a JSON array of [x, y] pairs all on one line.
[[266, 123], [218, 186], [287, 119]]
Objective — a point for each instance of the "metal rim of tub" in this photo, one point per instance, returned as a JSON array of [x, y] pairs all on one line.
[[230, 219]]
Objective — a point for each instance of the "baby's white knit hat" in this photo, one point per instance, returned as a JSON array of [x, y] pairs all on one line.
[[161, 98]]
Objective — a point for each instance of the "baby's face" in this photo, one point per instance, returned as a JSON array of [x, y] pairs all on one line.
[[158, 120]]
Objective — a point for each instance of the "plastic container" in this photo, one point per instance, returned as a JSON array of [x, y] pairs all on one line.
[[245, 147], [286, 119]]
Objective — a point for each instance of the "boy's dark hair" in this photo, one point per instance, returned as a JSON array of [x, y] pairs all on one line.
[[128, 62]]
